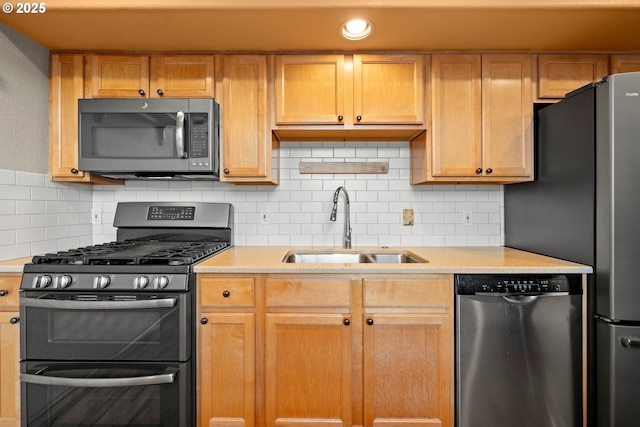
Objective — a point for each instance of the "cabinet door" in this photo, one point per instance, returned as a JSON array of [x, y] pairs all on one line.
[[226, 370], [66, 86], [246, 138], [119, 76], [310, 89], [408, 370], [559, 74], [507, 108], [388, 89], [9, 369], [182, 76], [624, 63], [308, 370], [456, 129]]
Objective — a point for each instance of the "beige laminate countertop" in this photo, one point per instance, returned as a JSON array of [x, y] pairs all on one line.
[[14, 265], [490, 259]]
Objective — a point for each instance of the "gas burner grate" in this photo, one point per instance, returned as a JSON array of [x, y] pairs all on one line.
[[134, 253]]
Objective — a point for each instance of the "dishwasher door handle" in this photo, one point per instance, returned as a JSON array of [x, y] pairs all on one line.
[[630, 342]]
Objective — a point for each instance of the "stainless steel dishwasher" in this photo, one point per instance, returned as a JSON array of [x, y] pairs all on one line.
[[518, 351]]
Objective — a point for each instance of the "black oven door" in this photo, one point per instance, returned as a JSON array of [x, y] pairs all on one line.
[[105, 326], [65, 394]]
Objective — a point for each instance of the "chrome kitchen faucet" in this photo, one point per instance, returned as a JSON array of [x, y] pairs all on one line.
[[347, 213]]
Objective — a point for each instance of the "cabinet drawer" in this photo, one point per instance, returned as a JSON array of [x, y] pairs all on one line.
[[308, 293], [9, 288], [221, 292], [419, 293]]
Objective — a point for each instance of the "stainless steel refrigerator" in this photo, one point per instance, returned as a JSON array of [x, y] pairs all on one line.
[[584, 206]]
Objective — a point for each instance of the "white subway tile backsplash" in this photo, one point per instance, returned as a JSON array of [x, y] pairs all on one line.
[[299, 208]]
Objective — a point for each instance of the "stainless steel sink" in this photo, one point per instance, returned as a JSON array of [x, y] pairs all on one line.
[[331, 257]]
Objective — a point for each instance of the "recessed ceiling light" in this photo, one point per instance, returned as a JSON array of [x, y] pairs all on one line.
[[356, 29]]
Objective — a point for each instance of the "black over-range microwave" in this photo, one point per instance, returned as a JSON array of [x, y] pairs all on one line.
[[169, 138]]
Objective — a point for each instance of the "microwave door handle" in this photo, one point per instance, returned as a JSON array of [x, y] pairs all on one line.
[[180, 135]]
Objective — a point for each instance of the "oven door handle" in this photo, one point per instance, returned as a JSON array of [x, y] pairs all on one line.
[[166, 378], [98, 305]]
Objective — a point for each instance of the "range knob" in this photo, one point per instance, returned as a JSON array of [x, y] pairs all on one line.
[[160, 282], [140, 282], [42, 281], [62, 281], [101, 282]]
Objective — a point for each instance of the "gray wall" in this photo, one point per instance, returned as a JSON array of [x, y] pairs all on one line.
[[24, 97]]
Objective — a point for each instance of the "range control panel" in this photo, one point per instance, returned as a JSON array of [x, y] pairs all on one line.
[[472, 284]]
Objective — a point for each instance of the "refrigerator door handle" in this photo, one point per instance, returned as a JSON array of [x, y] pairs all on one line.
[[630, 342]]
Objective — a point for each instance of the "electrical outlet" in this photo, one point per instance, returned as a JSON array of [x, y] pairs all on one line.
[[407, 217], [264, 217], [467, 219], [96, 216]]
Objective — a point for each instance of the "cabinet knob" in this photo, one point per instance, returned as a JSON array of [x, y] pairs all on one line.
[[204, 320], [74, 171], [346, 322], [340, 118], [226, 170], [226, 294], [369, 321], [141, 92], [489, 170], [160, 92], [4, 293], [479, 171], [358, 118], [14, 320]]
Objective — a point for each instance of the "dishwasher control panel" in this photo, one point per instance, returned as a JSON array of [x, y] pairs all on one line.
[[472, 284]]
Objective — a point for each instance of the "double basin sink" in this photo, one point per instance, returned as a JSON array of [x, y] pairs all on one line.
[[352, 257]]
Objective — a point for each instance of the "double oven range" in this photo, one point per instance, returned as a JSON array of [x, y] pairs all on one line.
[[107, 331]]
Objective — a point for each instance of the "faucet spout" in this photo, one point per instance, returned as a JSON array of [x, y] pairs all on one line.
[[347, 212]]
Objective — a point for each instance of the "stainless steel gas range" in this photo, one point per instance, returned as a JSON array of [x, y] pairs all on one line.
[[107, 331]]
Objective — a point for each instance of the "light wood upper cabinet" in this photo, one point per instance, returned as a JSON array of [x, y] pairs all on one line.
[[349, 90], [408, 352], [456, 127], [310, 89], [559, 74], [507, 117], [388, 89], [135, 76], [249, 150], [66, 86], [10, 351], [481, 128], [182, 76], [624, 63]]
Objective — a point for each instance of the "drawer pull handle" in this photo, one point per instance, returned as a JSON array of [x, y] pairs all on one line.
[[346, 322], [160, 92], [4, 293], [141, 92], [226, 294]]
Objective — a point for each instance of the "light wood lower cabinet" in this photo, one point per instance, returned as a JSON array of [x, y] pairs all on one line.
[[9, 351], [408, 352], [226, 362], [325, 350]]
